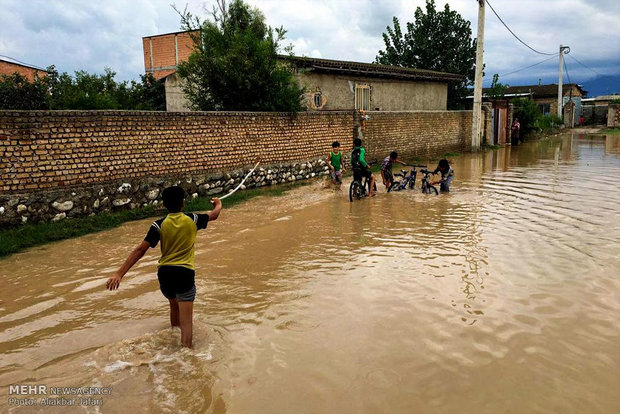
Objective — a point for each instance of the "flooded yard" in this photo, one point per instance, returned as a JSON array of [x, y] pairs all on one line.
[[502, 296]]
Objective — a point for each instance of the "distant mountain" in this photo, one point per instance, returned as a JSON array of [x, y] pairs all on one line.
[[602, 85]]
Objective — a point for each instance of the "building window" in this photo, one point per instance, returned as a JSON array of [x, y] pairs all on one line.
[[362, 97], [545, 109], [317, 100]]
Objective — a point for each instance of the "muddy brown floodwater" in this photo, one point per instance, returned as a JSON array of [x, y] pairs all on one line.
[[500, 297]]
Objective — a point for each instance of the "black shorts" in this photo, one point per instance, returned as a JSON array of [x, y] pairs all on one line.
[[177, 282], [387, 174], [359, 173]]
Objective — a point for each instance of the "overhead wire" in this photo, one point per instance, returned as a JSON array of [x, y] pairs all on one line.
[[566, 70], [517, 37], [589, 68], [521, 69]]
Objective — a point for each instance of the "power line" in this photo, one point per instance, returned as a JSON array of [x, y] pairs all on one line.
[[517, 37], [566, 70], [527, 67], [23, 63], [589, 68]]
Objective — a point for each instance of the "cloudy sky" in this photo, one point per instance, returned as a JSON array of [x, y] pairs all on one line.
[[90, 35]]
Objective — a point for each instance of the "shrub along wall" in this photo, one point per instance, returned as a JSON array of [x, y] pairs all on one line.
[[58, 164]]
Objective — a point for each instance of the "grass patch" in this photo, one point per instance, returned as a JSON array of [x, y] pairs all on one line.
[[21, 237], [610, 131], [451, 154]]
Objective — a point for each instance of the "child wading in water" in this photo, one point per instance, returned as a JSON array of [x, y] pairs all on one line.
[[177, 234], [447, 175], [386, 169], [336, 163], [360, 166]]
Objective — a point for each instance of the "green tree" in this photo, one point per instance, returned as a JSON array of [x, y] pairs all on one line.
[[93, 91], [235, 63], [497, 89], [17, 92], [437, 40], [527, 112]]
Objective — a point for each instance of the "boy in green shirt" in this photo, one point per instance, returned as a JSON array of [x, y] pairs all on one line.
[[360, 166], [336, 163]]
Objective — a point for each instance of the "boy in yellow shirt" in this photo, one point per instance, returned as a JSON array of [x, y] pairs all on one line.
[[176, 274]]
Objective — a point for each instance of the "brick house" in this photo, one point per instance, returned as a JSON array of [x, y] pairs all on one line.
[[8, 68], [162, 53], [330, 84], [546, 96]]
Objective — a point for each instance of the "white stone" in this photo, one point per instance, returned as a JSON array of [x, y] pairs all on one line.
[[21, 208], [155, 202], [312, 175], [124, 188], [73, 194], [153, 194], [96, 204], [195, 195], [59, 216], [121, 202], [24, 219], [1, 211], [101, 192], [64, 206], [242, 186]]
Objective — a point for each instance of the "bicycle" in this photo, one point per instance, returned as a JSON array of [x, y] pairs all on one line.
[[407, 180], [359, 189], [427, 187]]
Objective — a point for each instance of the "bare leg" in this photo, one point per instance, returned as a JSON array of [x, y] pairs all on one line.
[[372, 184], [186, 313], [174, 312]]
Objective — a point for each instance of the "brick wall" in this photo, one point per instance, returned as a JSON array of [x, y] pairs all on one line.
[[43, 150], [613, 116], [417, 133], [59, 164]]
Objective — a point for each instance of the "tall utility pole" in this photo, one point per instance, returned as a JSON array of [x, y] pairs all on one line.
[[563, 50], [477, 114]]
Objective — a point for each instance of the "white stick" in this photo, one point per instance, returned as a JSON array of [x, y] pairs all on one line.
[[241, 183]]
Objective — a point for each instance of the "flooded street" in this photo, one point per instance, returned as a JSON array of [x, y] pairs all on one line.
[[502, 296]]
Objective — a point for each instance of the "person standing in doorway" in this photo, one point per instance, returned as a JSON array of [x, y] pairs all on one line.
[[515, 132]]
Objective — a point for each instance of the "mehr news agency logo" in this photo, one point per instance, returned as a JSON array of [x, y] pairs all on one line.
[[37, 395]]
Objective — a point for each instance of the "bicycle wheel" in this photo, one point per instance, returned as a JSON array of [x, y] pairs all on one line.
[[432, 190], [354, 191], [412, 183], [395, 186]]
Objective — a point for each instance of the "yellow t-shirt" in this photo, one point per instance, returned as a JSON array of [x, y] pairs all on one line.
[[177, 233]]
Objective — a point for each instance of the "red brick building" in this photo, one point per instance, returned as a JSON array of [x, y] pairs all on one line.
[[162, 53], [9, 68]]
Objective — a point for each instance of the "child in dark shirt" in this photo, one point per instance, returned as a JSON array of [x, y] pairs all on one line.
[[447, 175]]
